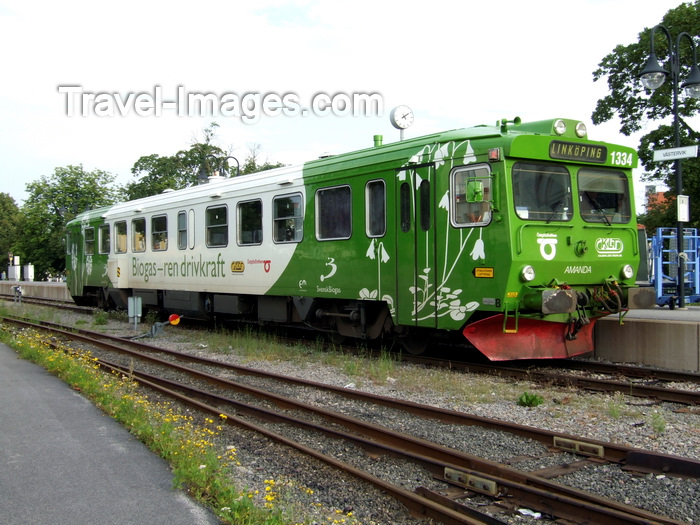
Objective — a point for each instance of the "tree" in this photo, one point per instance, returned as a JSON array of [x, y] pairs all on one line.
[[252, 165], [186, 167], [638, 110], [53, 201], [661, 215], [156, 174], [9, 221]]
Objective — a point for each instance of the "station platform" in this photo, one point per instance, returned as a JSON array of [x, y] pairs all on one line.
[[655, 337], [66, 462], [56, 291]]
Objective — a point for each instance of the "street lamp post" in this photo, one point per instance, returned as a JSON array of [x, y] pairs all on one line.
[[653, 76], [224, 163], [219, 165]]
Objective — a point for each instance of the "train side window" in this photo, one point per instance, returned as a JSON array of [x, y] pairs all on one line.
[[190, 229], [120, 234], [138, 235], [424, 192], [250, 223], [182, 230], [288, 218], [472, 196], [542, 192], [375, 208], [604, 196], [334, 213], [405, 207], [89, 241], [159, 233], [105, 245], [217, 226]]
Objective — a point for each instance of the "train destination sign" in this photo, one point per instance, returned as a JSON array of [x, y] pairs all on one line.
[[665, 155], [578, 152]]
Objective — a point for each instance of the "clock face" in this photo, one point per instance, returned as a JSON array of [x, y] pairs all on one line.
[[401, 117]]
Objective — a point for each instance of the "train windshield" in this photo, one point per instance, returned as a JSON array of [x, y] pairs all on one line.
[[542, 192], [604, 196]]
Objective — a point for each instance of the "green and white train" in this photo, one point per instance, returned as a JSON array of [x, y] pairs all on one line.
[[512, 239]]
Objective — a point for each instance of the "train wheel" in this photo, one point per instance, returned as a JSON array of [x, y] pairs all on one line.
[[103, 301], [414, 344]]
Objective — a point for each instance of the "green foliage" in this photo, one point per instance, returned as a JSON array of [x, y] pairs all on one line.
[[615, 406], [54, 200], [36, 231], [10, 217], [638, 110], [661, 215], [526, 399], [100, 318], [253, 165], [658, 423], [151, 317], [156, 174]]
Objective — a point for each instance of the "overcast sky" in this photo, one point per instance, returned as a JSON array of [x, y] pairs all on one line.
[[456, 64]]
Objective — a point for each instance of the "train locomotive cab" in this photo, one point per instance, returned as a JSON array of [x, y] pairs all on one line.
[[574, 248]]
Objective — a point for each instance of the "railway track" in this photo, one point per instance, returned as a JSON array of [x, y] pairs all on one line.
[[55, 303], [471, 474], [635, 381], [639, 381]]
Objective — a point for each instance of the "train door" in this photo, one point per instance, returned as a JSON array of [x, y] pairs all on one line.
[[416, 246], [118, 264]]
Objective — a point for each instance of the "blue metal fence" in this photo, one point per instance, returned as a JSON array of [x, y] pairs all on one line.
[[665, 276]]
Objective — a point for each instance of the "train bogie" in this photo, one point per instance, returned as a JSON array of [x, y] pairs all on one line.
[[517, 236]]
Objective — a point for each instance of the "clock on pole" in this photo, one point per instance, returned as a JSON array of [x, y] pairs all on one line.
[[401, 118]]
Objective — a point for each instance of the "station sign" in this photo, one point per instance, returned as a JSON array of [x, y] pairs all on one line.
[[665, 155]]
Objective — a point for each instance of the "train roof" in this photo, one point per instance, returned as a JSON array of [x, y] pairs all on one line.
[[215, 188], [292, 176]]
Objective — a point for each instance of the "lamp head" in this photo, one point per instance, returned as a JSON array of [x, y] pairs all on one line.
[[653, 75], [692, 83]]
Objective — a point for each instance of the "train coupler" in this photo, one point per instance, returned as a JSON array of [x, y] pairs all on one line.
[[552, 301], [575, 325]]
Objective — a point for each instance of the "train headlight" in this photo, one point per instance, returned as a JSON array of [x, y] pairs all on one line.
[[559, 127], [527, 274], [581, 130], [627, 271]]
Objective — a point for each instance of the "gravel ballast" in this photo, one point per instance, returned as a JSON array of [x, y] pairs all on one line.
[[319, 493]]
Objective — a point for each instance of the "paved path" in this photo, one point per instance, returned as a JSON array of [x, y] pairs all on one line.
[[62, 461]]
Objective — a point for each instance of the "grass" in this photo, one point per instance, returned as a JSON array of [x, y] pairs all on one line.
[[658, 423], [617, 407], [100, 317], [255, 345]]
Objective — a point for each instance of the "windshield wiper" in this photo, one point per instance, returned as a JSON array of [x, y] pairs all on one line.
[[556, 210], [597, 207]]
